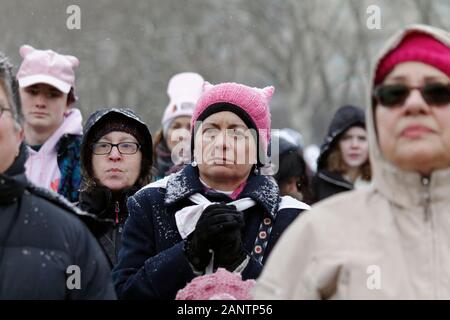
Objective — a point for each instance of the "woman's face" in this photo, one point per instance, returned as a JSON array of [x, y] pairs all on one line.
[[354, 147], [224, 147], [114, 170], [11, 135], [179, 131], [415, 136]]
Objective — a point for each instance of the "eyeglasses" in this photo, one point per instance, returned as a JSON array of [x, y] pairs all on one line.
[[434, 94], [102, 148], [3, 110]]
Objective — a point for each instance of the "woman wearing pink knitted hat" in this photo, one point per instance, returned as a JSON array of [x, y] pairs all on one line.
[[389, 241], [218, 212], [171, 145], [53, 127]]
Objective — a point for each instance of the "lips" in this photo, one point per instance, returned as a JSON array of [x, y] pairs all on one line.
[[39, 114], [415, 131], [220, 161], [114, 170]]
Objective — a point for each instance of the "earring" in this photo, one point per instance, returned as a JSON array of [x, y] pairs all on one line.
[[194, 163]]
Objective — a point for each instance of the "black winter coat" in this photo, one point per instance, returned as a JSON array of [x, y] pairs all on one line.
[[152, 262], [94, 198], [112, 213], [326, 183], [41, 240]]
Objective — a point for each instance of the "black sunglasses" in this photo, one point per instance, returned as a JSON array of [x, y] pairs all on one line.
[[395, 95]]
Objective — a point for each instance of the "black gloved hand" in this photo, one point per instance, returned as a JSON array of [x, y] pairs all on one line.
[[216, 220], [229, 252]]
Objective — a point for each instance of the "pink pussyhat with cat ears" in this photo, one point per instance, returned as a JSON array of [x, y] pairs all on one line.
[[47, 66], [254, 103]]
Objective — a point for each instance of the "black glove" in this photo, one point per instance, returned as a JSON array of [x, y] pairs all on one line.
[[229, 252], [216, 220]]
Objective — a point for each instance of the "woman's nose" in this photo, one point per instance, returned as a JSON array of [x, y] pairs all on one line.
[[354, 143], [115, 154], [222, 141], [415, 103]]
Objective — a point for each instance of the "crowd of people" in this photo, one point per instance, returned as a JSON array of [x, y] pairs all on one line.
[[214, 203]]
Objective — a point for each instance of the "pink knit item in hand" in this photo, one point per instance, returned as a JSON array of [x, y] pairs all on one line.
[[221, 285]]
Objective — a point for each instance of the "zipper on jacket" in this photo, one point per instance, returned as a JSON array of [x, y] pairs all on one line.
[[428, 218], [426, 198], [117, 210], [429, 226]]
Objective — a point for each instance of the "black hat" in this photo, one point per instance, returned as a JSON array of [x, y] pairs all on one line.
[[105, 121], [345, 117]]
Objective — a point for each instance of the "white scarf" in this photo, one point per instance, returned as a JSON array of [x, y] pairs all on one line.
[[188, 217]]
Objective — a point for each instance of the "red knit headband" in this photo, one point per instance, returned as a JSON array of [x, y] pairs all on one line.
[[417, 46]]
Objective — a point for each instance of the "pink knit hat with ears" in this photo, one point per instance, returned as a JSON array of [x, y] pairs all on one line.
[[252, 101], [47, 66]]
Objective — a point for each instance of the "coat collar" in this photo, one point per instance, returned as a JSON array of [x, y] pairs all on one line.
[[334, 178], [410, 189], [14, 181], [182, 185], [12, 187], [262, 189]]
